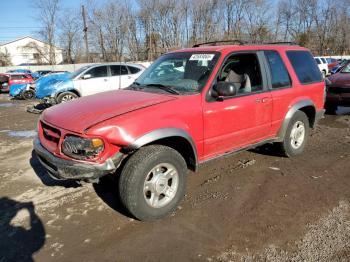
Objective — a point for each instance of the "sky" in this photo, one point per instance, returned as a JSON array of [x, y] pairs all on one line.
[[17, 18]]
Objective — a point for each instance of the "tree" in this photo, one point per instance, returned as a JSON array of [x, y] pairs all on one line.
[[47, 12]]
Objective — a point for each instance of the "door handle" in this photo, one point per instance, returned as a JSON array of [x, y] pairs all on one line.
[[105, 80], [262, 100]]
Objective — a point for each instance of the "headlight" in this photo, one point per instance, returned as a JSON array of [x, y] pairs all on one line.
[[82, 148]]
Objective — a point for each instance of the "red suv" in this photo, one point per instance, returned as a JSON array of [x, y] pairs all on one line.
[[8, 79], [188, 107]]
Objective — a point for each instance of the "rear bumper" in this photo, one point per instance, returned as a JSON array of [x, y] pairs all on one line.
[[64, 169], [342, 99]]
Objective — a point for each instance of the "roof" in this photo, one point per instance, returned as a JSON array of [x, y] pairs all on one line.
[[246, 47], [21, 38]]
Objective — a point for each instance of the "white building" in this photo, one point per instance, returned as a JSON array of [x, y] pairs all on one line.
[[28, 50]]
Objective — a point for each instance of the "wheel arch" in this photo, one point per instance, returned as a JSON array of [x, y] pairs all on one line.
[[69, 90], [175, 138], [306, 106]]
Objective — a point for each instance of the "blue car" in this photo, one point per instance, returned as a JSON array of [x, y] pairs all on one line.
[[47, 85], [40, 86]]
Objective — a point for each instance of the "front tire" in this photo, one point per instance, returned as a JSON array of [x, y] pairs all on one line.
[[28, 94], [153, 182], [66, 96], [296, 136]]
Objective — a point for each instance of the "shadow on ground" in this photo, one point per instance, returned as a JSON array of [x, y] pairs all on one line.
[[16, 242], [107, 190], [47, 180]]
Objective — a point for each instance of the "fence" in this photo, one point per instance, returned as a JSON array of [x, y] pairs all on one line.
[[67, 67]]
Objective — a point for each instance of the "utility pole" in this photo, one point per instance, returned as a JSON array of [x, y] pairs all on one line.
[[85, 34]]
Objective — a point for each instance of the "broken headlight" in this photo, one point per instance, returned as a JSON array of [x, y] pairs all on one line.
[[82, 148]]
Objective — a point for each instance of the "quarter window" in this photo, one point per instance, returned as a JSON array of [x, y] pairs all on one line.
[[304, 66], [279, 74], [134, 70]]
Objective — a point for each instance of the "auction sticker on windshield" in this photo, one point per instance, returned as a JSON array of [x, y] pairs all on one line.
[[202, 57]]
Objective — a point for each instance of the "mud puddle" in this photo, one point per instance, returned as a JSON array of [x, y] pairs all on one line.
[[6, 104], [21, 134]]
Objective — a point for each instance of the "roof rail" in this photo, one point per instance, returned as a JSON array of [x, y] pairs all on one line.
[[280, 43], [214, 43]]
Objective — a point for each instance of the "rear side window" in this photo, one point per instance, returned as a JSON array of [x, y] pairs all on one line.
[[118, 70], [279, 74], [304, 66], [16, 77], [324, 60], [318, 61], [134, 70]]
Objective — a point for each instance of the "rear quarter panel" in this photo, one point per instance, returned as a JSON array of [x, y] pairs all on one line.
[[284, 99]]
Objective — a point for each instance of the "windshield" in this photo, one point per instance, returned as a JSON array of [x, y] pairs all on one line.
[[79, 71], [346, 69], [185, 72]]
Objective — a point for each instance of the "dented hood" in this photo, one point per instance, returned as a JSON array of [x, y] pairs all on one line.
[[83, 113]]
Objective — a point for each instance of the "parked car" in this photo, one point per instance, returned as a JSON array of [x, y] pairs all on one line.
[[8, 79], [332, 62], [338, 89], [91, 79], [188, 107], [339, 66], [322, 65], [34, 75]]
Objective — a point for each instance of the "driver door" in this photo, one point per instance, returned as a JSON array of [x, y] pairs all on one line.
[[244, 119], [98, 81]]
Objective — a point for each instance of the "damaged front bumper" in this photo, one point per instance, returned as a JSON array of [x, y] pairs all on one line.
[[64, 169]]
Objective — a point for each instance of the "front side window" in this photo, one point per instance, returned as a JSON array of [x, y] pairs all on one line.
[[243, 71], [318, 61], [324, 60], [117, 70], [304, 66], [79, 71], [99, 71], [279, 74], [184, 72]]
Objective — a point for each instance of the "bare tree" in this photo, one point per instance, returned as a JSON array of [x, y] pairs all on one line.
[[5, 58], [47, 11], [69, 28]]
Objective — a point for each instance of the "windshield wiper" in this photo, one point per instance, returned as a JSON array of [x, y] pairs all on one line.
[[169, 89]]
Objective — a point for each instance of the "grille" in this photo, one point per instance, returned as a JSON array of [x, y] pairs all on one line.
[[50, 133]]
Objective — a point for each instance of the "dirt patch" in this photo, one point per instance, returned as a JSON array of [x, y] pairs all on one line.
[[328, 240], [255, 205]]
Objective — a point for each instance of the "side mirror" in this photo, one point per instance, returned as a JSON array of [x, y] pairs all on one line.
[[224, 89], [86, 76]]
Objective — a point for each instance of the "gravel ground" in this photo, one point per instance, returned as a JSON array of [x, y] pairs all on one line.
[[252, 206]]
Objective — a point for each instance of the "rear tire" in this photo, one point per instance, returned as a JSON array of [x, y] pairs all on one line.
[[153, 182], [28, 94], [296, 135], [66, 96]]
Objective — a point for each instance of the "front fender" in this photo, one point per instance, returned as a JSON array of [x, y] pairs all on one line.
[[162, 134]]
